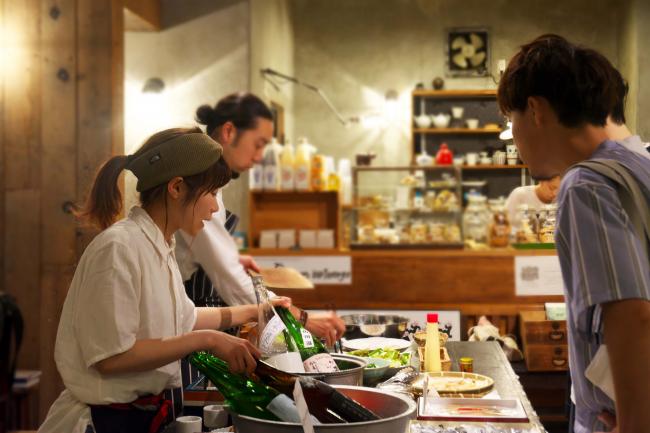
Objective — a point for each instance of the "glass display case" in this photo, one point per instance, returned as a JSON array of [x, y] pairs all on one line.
[[407, 207]]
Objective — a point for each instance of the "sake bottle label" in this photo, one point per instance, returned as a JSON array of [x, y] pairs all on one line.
[[320, 363], [307, 339], [271, 332]]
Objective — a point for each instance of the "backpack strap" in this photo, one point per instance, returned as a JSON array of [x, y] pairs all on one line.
[[632, 198]]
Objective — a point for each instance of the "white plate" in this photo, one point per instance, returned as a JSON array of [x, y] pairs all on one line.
[[372, 343]]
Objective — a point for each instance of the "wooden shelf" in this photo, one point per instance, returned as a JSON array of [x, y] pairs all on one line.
[[493, 167], [304, 210], [456, 131], [477, 93], [403, 167], [291, 193]]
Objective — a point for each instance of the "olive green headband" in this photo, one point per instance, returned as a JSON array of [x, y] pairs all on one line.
[[182, 156]]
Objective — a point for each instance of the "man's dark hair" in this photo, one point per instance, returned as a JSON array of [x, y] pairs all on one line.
[[581, 85], [618, 111], [242, 109]]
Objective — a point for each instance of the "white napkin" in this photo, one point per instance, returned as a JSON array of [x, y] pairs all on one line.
[[599, 372]]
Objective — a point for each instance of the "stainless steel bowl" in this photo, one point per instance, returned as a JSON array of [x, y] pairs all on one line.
[[350, 371], [395, 412], [374, 325]]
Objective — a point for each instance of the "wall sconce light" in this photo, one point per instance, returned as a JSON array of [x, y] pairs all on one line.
[[153, 85]]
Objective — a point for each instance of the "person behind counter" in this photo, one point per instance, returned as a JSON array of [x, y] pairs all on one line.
[[126, 320], [558, 96], [213, 270], [535, 196]]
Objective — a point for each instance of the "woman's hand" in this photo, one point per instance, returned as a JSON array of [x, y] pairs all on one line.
[[281, 301], [326, 325], [240, 354]]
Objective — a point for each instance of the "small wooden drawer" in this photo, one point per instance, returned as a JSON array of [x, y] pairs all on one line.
[[535, 329], [546, 357], [544, 342]]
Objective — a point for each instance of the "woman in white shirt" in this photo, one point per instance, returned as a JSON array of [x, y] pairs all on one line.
[[126, 320]]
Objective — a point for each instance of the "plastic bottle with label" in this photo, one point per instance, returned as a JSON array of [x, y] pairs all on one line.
[[432, 345], [303, 165], [318, 178], [272, 176], [256, 177], [287, 167]]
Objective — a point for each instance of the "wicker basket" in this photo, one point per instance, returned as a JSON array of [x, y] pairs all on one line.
[[445, 361]]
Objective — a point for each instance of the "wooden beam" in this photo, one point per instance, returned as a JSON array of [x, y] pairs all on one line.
[[142, 15], [59, 181]]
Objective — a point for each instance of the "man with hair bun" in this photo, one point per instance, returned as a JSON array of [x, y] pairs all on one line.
[[213, 270], [559, 96]]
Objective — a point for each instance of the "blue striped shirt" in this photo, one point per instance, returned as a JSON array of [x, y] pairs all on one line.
[[602, 260]]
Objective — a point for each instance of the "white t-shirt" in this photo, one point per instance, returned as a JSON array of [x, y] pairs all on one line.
[[634, 143], [126, 287], [216, 251], [523, 195]]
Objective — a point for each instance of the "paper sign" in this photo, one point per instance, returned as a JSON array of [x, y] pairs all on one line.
[[332, 270], [538, 276], [303, 410]]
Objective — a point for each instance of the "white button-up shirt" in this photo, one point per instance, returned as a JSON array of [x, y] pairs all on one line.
[[215, 250], [127, 287]]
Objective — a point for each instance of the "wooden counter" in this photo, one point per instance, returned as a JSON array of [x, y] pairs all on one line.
[[474, 282]]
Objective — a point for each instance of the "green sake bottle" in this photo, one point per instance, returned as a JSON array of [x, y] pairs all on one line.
[[243, 395], [315, 356]]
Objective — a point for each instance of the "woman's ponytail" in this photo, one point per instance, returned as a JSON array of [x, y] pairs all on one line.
[[104, 203]]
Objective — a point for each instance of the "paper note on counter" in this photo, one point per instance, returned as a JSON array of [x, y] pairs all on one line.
[[538, 276]]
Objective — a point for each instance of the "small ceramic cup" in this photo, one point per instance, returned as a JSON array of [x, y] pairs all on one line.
[[499, 157], [215, 416], [457, 112], [458, 161], [472, 123], [189, 424], [471, 158]]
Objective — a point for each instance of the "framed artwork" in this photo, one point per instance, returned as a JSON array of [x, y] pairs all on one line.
[[468, 52]]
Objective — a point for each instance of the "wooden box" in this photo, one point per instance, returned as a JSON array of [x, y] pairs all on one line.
[[544, 342]]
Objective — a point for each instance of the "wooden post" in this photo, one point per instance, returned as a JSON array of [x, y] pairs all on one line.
[[60, 118]]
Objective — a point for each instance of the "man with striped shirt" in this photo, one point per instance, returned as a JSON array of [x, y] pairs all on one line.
[[558, 96]]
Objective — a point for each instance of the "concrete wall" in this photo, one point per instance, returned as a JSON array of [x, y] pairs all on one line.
[[642, 15], [272, 46], [628, 58], [202, 54], [357, 50]]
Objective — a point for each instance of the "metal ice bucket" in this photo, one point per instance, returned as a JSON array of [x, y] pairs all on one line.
[[395, 412], [350, 371]]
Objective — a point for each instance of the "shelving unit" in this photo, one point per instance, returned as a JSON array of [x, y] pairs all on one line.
[[480, 104], [381, 212], [308, 210]]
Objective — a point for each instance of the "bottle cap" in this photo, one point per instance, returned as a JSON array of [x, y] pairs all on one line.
[[432, 318]]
